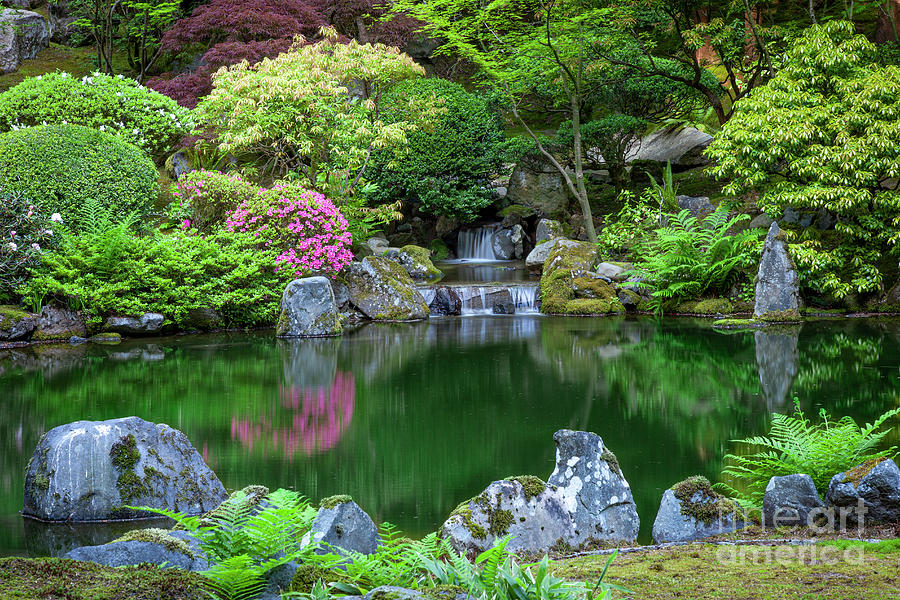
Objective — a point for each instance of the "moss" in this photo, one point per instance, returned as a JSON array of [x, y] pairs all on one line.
[[858, 473], [308, 575], [444, 592], [10, 315], [584, 306], [712, 306], [780, 316], [736, 323], [709, 506], [106, 338], [517, 210], [124, 453], [422, 256], [612, 461], [59, 578], [332, 501], [464, 511], [131, 487], [593, 288], [439, 250], [499, 522], [158, 536], [531, 485], [41, 481]]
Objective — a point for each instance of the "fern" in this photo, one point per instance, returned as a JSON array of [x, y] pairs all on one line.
[[236, 578], [796, 445], [689, 257]]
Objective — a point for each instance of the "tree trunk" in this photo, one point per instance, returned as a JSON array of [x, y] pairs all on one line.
[[888, 15]]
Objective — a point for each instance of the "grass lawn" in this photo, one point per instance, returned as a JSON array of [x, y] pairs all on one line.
[[829, 570]]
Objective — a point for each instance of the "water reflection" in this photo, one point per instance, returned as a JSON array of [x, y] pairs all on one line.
[[412, 418]]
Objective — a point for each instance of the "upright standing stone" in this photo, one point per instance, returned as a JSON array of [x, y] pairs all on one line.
[[308, 309], [777, 284], [22, 35]]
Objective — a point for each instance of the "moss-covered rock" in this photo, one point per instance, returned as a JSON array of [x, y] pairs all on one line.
[[416, 260], [163, 537], [16, 324], [569, 286], [692, 510], [383, 291], [332, 501], [439, 250]]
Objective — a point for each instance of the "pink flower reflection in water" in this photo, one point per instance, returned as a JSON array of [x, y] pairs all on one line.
[[318, 418]]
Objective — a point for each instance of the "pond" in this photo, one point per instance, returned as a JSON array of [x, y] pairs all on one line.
[[411, 419]]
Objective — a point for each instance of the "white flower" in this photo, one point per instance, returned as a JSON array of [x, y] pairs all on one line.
[[48, 232], [13, 246], [56, 217], [36, 246]]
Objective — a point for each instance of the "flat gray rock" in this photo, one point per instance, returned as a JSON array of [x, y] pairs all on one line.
[[124, 554], [87, 471], [146, 324]]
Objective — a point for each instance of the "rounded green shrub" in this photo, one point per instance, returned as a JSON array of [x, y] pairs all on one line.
[[446, 166], [62, 167], [116, 105]]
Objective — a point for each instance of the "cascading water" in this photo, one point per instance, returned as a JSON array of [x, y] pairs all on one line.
[[475, 244], [489, 299]]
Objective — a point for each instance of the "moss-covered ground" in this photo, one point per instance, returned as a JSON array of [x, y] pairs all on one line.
[[58, 579], [77, 61], [831, 570]]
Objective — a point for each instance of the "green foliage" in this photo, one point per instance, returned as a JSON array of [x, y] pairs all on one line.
[[445, 165], [61, 168], [797, 445], [689, 258], [822, 136], [247, 539], [26, 233], [116, 105], [205, 198], [107, 269], [629, 229], [612, 136], [667, 192]]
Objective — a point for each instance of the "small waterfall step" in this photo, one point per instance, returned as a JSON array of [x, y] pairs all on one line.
[[474, 245], [489, 299]]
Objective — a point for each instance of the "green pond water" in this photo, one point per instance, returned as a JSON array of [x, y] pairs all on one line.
[[411, 419]]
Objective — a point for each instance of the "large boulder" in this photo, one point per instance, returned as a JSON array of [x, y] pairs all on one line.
[[16, 324], [681, 146], [611, 272], [508, 243], [540, 253], [308, 309], [87, 471], [383, 291], [62, 19], [570, 286], [416, 261], [777, 284], [341, 523], [540, 187], [150, 323], [692, 510], [548, 229], [866, 494], [56, 323], [790, 500], [586, 500], [169, 549], [22, 35]]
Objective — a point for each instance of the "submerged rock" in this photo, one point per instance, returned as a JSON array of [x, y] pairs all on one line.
[[383, 290], [585, 500], [867, 494], [692, 510], [777, 284], [341, 523], [22, 35], [308, 309], [16, 324], [87, 471], [790, 500]]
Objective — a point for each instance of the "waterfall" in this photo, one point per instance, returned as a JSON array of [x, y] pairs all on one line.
[[475, 244]]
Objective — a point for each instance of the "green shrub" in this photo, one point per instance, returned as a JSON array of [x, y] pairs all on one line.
[[25, 234], [796, 445], [61, 167], [689, 258], [106, 269], [205, 198], [447, 165], [117, 105]]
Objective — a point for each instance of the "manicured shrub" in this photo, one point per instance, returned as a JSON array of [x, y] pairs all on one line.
[[60, 167], [117, 105], [25, 234], [447, 164], [203, 199], [305, 229]]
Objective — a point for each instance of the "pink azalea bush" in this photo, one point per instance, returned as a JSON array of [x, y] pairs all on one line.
[[203, 199], [26, 233], [305, 229]]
